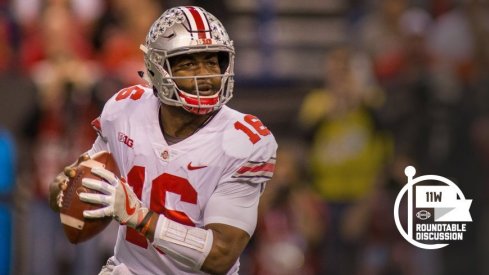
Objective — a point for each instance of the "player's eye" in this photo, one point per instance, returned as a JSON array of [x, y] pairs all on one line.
[[212, 63], [186, 65]]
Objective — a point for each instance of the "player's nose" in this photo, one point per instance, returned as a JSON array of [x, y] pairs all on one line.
[[202, 69]]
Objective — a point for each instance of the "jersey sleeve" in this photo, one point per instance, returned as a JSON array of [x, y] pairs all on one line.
[[257, 167], [97, 126], [250, 166], [234, 204], [235, 200], [100, 143], [249, 150]]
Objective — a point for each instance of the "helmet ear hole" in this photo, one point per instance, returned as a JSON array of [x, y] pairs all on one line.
[[223, 58], [171, 62]]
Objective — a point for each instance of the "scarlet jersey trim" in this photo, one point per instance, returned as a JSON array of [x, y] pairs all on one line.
[[97, 126], [256, 169]]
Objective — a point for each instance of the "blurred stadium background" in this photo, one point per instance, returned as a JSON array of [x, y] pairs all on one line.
[[354, 90]]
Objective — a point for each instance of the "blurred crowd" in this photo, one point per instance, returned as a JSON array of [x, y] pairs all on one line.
[[409, 87]]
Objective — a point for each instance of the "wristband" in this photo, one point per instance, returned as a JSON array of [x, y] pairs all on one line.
[[145, 221], [146, 226]]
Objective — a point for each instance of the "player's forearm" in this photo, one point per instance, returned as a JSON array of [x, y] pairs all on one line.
[[225, 250], [223, 253], [185, 244]]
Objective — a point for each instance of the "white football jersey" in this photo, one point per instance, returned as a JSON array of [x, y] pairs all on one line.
[[214, 176]]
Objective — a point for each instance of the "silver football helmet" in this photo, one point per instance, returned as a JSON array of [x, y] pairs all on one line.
[[187, 30]]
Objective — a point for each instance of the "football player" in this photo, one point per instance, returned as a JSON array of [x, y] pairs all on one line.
[[193, 168]]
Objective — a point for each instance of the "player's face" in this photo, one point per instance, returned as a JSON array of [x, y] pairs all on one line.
[[197, 64]]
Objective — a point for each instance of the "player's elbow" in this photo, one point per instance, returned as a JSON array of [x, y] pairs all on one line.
[[220, 261], [228, 244], [218, 270]]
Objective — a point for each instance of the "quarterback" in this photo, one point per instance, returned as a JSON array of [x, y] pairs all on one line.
[[193, 168]]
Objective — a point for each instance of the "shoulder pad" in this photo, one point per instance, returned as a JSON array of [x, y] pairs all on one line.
[[97, 126], [255, 147]]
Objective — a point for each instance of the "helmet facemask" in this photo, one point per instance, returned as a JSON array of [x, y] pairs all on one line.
[[165, 43]]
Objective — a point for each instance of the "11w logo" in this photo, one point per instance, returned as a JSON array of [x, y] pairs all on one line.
[[438, 203], [433, 196]]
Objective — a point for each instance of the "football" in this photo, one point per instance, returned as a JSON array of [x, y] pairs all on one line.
[[78, 229]]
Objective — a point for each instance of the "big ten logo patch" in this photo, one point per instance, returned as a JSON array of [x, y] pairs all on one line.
[[125, 139]]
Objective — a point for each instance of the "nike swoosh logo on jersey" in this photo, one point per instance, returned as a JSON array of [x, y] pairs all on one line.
[[130, 210], [190, 167]]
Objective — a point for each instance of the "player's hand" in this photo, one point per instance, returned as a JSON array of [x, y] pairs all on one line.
[[60, 183], [117, 196]]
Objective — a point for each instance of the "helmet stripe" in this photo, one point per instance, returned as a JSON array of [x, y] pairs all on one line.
[[199, 23]]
